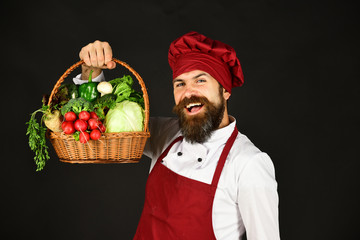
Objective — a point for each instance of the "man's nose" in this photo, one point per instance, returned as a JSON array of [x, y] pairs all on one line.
[[189, 91]]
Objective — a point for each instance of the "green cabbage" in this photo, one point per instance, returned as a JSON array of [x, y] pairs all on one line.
[[126, 116]]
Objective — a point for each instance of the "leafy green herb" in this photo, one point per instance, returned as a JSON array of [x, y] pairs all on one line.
[[138, 98], [72, 90], [37, 140], [103, 104], [76, 135], [125, 79], [124, 91], [60, 98]]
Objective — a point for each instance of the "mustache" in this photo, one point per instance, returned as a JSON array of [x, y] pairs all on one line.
[[193, 99], [200, 127]]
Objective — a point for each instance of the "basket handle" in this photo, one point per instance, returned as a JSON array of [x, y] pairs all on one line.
[[138, 77]]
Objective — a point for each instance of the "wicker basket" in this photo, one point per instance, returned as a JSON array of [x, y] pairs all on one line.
[[123, 147]]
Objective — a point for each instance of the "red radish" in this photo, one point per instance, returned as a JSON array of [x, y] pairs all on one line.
[[95, 134], [68, 127], [70, 116], [84, 115], [84, 137], [93, 123], [64, 124], [102, 128], [94, 115], [80, 125]]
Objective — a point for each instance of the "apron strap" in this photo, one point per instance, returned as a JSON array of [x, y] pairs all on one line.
[[223, 158], [221, 162]]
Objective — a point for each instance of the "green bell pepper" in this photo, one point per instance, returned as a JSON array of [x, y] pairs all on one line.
[[89, 90]]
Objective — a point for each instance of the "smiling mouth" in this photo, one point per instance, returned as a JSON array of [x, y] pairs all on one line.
[[194, 108]]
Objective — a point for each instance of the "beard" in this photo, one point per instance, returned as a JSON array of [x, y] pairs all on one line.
[[198, 128]]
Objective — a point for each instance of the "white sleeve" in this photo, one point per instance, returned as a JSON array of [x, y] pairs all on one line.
[[258, 199], [78, 81]]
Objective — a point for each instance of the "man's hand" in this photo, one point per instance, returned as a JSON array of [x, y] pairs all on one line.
[[97, 56]]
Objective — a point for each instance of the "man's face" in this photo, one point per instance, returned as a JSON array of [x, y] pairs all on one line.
[[200, 104]]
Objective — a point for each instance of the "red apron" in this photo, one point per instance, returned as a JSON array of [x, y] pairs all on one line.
[[177, 207]]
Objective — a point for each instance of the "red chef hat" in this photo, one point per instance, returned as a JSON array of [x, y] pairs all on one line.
[[194, 51]]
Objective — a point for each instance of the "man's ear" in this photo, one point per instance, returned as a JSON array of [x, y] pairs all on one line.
[[226, 94]]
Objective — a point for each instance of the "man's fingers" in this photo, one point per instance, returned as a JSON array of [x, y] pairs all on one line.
[[107, 52], [99, 49], [111, 65], [84, 55], [108, 56], [93, 56], [97, 54]]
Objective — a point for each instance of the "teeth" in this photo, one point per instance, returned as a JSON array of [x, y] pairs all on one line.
[[193, 105]]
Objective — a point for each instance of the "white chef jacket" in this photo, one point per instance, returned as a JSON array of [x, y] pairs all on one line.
[[246, 198]]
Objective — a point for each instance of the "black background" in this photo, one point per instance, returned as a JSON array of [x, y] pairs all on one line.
[[298, 104]]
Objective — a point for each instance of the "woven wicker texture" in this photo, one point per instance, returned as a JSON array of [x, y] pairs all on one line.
[[123, 147]]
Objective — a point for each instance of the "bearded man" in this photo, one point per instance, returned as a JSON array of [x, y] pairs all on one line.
[[207, 180]]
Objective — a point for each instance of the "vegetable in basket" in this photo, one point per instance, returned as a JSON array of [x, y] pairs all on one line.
[[104, 88], [62, 96], [103, 104], [124, 91], [72, 90], [52, 119], [77, 105], [116, 91], [125, 117], [89, 90], [84, 127], [36, 132]]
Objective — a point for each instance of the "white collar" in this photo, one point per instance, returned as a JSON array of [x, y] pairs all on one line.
[[187, 156], [218, 137]]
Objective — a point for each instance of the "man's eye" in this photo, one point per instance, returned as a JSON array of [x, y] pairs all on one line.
[[179, 84], [201, 80]]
